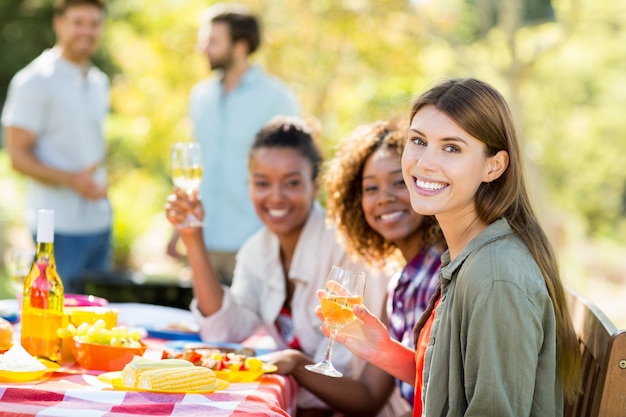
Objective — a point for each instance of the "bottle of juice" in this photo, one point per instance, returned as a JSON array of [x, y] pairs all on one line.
[[42, 299]]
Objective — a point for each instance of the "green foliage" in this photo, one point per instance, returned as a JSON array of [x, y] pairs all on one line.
[[11, 218], [27, 24], [577, 129], [355, 61]]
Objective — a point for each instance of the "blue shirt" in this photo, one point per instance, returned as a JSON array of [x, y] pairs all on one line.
[[225, 125]]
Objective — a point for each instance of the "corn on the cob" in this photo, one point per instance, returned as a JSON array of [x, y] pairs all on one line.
[[178, 379], [139, 364]]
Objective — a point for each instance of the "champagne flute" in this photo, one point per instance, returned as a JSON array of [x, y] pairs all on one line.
[[19, 262], [344, 289], [186, 170]]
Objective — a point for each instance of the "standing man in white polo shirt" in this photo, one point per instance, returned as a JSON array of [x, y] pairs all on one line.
[[53, 126]]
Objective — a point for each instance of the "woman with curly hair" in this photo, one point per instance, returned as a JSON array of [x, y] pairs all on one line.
[[371, 207]]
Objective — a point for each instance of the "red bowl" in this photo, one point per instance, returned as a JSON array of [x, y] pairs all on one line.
[[100, 357]]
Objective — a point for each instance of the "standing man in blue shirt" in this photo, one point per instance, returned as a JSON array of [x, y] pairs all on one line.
[[53, 120], [227, 110]]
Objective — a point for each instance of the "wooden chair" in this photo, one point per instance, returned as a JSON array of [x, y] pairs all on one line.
[[603, 348]]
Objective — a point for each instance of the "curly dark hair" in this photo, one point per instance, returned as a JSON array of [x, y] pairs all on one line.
[[343, 181]]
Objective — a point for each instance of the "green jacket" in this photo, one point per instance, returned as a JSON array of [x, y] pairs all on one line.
[[492, 350]]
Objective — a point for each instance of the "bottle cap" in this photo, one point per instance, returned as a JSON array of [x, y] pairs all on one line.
[[45, 226]]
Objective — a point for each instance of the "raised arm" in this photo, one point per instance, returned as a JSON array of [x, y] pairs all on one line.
[[206, 284]]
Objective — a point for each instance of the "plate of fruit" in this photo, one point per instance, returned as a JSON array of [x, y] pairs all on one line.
[[96, 347], [233, 365]]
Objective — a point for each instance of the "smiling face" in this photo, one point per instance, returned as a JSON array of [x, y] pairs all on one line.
[[443, 166], [386, 201], [282, 189], [78, 32]]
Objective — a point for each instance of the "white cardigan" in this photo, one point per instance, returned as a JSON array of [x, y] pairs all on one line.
[[257, 293]]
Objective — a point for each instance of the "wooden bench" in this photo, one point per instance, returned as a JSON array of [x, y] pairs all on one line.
[[604, 362]]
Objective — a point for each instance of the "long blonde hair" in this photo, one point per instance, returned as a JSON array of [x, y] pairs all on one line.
[[482, 112]]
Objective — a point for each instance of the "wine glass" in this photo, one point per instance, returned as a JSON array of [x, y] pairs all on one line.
[[19, 262], [186, 170], [344, 289]]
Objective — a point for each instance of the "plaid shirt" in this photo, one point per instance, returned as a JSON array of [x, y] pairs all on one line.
[[408, 299]]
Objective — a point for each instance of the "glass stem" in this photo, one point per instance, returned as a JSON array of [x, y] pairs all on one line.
[[329, 349]]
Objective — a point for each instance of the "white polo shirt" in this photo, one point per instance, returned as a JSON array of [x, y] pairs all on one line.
[[66, 109]]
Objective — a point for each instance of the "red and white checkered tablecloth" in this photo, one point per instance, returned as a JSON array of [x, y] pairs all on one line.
[[76, 392], [83, 395]]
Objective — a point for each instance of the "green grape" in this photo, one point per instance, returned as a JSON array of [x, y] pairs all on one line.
[[115, 333], [82, 329], [135, 335], [119, 332], [91, 335], [116, 342], [98, 333], [100, 324], [64, 332], [102, 336]]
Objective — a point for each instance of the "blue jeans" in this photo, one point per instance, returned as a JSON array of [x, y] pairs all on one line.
[[78, 254]]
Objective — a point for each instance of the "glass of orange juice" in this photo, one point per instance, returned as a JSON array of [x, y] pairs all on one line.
[[344, 289]]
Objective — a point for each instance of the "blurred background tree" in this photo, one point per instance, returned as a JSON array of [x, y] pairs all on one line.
[[560, 63]]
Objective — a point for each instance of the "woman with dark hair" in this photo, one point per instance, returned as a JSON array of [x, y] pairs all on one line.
[[498, 339], [278, 269]]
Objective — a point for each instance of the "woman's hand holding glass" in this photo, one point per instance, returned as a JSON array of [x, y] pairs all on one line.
[[180, 206], [186, 170], [343, 290], [363, 336]]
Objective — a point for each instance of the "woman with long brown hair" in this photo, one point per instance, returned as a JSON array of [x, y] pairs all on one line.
[[498, 340]]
